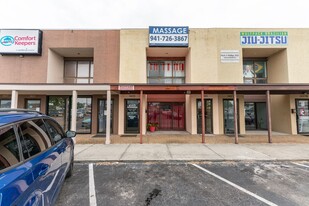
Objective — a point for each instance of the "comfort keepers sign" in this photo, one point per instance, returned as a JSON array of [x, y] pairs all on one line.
[[21, 42], [168, 36]]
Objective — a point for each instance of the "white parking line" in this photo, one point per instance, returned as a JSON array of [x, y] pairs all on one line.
[[300, 164], [92, 196], [236, 186]]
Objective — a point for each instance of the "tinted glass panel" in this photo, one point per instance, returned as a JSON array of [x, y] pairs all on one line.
[[33, 104], [54, 130], [166, 72], [33, 138], [5, 103], [70, 69], [83, 124], [254, 72], [9, 153], [83, 69]]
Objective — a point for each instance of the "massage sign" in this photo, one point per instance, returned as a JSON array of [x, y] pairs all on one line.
[[20, 42]]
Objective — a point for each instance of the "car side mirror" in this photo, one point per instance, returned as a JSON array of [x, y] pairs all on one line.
[[71, 134]]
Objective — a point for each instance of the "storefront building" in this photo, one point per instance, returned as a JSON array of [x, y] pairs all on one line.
[[179, 78]]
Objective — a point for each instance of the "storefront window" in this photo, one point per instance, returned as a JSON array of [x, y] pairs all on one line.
[[254, 72], [5, 103], [302, 107], [84, 111], [78, 72], [33, 104], [166, 72]]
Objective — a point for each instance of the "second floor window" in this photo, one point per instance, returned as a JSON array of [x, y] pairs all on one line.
[[78, 71], [166, 72], [254, 72]]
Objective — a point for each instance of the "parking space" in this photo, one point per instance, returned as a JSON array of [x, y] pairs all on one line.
[[187, 183]]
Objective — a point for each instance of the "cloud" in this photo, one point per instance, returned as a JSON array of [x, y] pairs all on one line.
[[109, 14]]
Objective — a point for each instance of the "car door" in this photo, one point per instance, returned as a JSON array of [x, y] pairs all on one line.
[[65, 144], [44, 155], [15, 175]]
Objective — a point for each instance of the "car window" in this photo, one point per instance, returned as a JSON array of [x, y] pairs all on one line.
[[39, 124], [9, 152], [33, 139], [54, 130]]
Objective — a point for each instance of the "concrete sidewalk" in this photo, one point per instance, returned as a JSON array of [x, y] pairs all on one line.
[[178, 152]]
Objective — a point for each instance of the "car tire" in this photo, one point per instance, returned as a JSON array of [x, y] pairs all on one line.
[[70, 171]]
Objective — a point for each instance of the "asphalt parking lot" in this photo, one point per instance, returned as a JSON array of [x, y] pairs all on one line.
[[188, 183]]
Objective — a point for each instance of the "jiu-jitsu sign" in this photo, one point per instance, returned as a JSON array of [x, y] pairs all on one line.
[[264, 38], [168, 36]]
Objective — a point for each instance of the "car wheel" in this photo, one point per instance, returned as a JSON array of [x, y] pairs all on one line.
[[70, 172]]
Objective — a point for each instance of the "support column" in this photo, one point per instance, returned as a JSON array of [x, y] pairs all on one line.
[[141, 117], [14, 99], [203, 116], [108, 118], [235, 117], [74, 110], [268, 116]]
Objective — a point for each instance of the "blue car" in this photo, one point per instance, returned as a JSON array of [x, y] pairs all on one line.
[[36, 156]]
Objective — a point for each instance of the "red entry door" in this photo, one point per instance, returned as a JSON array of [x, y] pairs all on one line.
[[170, 116]]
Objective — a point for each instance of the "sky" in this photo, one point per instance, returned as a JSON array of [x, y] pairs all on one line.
[[120, 14]]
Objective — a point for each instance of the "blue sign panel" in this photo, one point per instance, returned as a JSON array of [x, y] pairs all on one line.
[[264, 38], [168, 36]]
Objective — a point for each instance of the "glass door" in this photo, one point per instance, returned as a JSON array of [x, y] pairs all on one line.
[[250, 120], [302, 116], [132, 116], [208, 116], [228, 110], [261, 115], [178, 116], [169, 116], [59, 108], [102, 116], [166, 113]]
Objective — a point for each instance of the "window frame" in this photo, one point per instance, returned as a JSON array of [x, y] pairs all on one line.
[[27, 103], [76, 78], [5, 100], [173, 77], [255, 79]]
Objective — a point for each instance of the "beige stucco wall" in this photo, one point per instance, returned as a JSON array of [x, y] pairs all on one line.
[[278, 68], [189, 114], [298, 55], [55, 67], [228, 39], [203, 56], [281, 113], [132, 66]]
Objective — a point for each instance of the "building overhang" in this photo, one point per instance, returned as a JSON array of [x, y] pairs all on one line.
[[212, 88], [167, 51]]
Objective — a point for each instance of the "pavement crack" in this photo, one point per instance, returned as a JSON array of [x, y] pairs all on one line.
[[155, 192], [83, 150], [213, 151], [169, 152], [121, 156]]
